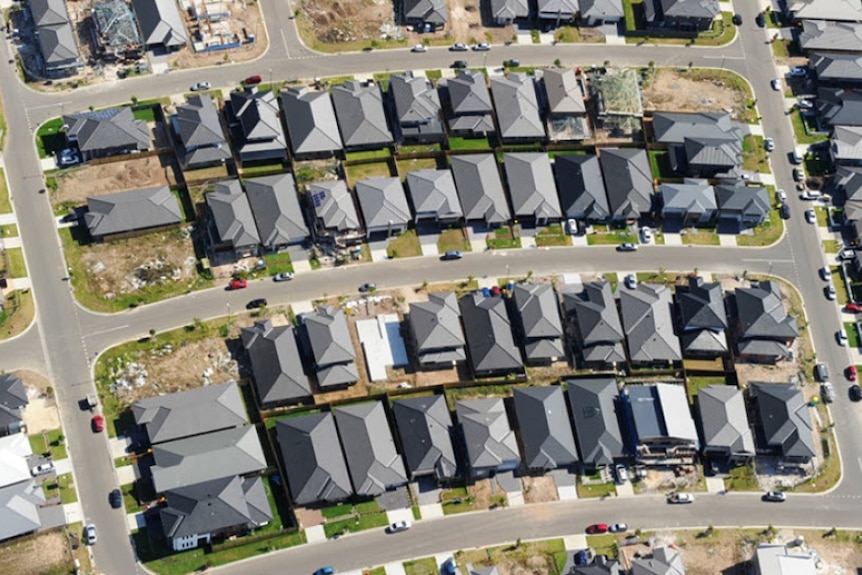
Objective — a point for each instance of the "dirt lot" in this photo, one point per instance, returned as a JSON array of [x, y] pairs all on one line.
[[670, 91], [308, 517], [40, 554], [41, 413], [539, 489], [660, 480]]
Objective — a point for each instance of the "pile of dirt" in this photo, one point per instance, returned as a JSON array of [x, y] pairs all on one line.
[[670, 91], [334, 21], [37, 554]]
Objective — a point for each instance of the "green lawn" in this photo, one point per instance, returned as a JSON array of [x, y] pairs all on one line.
[[5, 202], [453, 240], [131, 499], [15, 260], [49, 138], [9, 231], [802, 136], [830, 472], [17, 314], [822, 216], [780, 48], [457, 143], [700, 237], [596, 490], [419, 149], [259, 170], [359, 522], [147, 114], [741, 478], [611, 238], [433, 75], [754, 154], [503, 239], [357, 172], [553, 235], [278, 263], [852, 335], [659, 162], [405, 245], [62, 486], [693, 384], [840, 288], [604, 544], [52, 441], [368, 155], [406, 165], [426, 566], [830, 246], [765, 234], [38, 443]]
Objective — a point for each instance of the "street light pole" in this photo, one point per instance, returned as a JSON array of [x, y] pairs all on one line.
[[272, 88]]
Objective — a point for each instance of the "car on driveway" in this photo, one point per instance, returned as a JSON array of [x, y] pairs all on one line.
[[198, 86], [115, 498], [597, 528], [618, 528], [677, 498], [481, 47], [90, 534], [768, 144], [98, 423], [68, 157], [803, 104], [452, 255], [282, 277], [853, 307], [855, 392], [621, 473], [419, 48], [847, 254], [827, 391], [458, 47], [398, 527], [798, 71], [631, 282], [776, 84], [572, 226], [850, 372], [646, 232], [810, 216], [42, 469], [798, 175], [775, 496], [256, 303], [237, 284], [367, 287], [627, 247]]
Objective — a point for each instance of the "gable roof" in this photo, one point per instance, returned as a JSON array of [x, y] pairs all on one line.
[[433, 191], [311, 122], [56, 38], [416, 101], [425, 427], [689, 8], [702, 316], [784, 419], [628, 180], [333, 204], [132, 210], [849, 10], [601, 9], [14, 450], [561, 8], [562, 89], [846, 143], [676, 127], [359, 109], [546, 433], [838, 106], [329, 336], [830, 35], [647, 314], [312, 458], [664, 560], [596, 313], [489, 334], [837, 67], [160, 22], [660, 410], [436, 326], [13, 396], [761, 312], [253, 117], [48, 12], [509, 9], [468, 93], [849, 179], [595, 405], [193, 412], [479, 188], [275, 362], [430, 11], [372, 460], [539, 314], [19, 509], [275, 205], [748, 201], [517, 106], [691, 197], [232, 214], [107, 130], [383, 202], [531, 185], [724, 419], [581, 187], [488, 437], [200, 131]]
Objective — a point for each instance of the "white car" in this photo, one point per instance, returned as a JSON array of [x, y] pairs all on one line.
[[680, 498], [398, 527], [68, 157], [90, 534], [572, 225], [646, 232], [847, 254], [618, 528], [827, 390], [810, 195], [810, 216], [481, 47], [419, 48], [841, 336], [805, 104], [282, 277], [769, 144], [622, 477], [42, 469], [200, 86], [631, 282], [776, 84], [830, 292], [458, 47], [782, 196], [825, 274]]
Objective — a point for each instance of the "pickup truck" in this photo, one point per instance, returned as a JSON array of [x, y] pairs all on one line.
[[680, 498]]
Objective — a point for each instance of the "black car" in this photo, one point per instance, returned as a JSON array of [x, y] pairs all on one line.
[[855, 392], [452, 255], [785, 211], [256, 303], [761, 20], [70, 217], [459, 64], [115, 499], [737, 19]]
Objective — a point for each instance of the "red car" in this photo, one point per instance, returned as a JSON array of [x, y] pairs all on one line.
[[851, 373], [252, 80], [237, 284], [98, 423], [853, 307], [597, 528]]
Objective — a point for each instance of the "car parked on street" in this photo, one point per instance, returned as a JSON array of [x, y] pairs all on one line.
[[798, 175], [850, 372], [810, 216], [367, 287], [481, 47], [199, 86], [760, 19], [841, 337], [459, 64], [768, 144], [829, 291], [325, 571], [421, 48], [452, 255], [256, 303], [677, 498], [775, 496], [776, 84], [252, 80], [821, 372], [853, 307], [90, 534], [855, 392], [737, 19], [115, 498], [827, 391], [98, 423], [282, 277], [618, 528], [597, 528], [627, 247], [825, 274], [398, 527], [458, 47], [782, 195], [237, 284], [784, 211]]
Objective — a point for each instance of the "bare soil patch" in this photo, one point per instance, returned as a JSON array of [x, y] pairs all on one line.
[[308, 517], [39, 554], [534, 565], [539, 489], [671, 91], [663, 480], [242, 15], [41, 413], [480, 491]]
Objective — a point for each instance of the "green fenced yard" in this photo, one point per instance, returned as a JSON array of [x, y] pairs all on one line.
[[50, 138], [503, 239], [278, 263]]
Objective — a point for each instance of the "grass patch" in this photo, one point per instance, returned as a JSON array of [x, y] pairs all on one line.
[[419, 149], [147, 114], [206, 174], [693, 385], [453, 240], [780, 48], [553, 236], [355, 523], [611, 238], [700, 237], [841, 295], [503, 239], [604, 544], [521, 557], [852, 334], [62, 486], [377, 571], [406, 165], [822, 216], [765, 234], [357, 172], [741, 478], [405, 245], [830, 472], [830, 246], [799, 128], [596, 489], [754, 155], [659, 163], [259, 170], [433, 75], [38, 443], [278, 263], [368, 155], [458, 143], [17, 314], [50, 139], [9, 231], [15, 265], [426, 566], [5, 202], [52, 442], [131, 500]]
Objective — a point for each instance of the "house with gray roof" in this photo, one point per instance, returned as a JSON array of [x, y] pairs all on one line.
[[424, 13], [724, 424], [160, 23], [703, 144], [660, 423], [601, 565], [215, 455], [681, 15], [13, 400], [132, 213], [384, 205], [837, 10], [848, 179], [369, 448], [60, 55], [702, 318], [115, 28], [427, 436], [691, 203], [596, 413], [361, 119], [546, 431], [764, 329], [741, 205], [837, 69], [106, 133], [663, 560], [564, 95], [517, 108], [539, 327], [214, 510], [628, 181], [784, 424], [594, 315], [491, 446], [845, 145], [505, 12], [434, 196], [830, 36], [190, 413], [558, 10], [417, 108], [489, 336], [198, 127], [275, 363], [648, 319], [839, 106], [311, 124], [312, 458], [595, 12], [255, 127], [234, 228], [19, 509], [531, 187], [335, 212], [467, 103], [581, 187], [477, 179], [327, 337], [436, 329], [275, 205]]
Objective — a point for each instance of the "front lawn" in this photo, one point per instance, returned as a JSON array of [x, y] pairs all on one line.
[[353, 518], [596, 489], [278, 263], [426, 566], [754, 154], [5, 202], [852, 335], [611, 238], [503, 239], [52, 441], [765, 234], [700, 237], [604, 544], [453, 240], [17, 313], [741, 478], [62, 486], [15, 266], [405, 245], [553, 236], [799, 128], [830, 246], [50, 138]]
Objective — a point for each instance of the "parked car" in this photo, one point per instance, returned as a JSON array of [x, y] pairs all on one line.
[[798, 175], [452, 255], [795, 157], [572, 226], [481, 47], [282, 277], [512, 63], [784, 210], [825, 273], [256, 303], [252, 80], [622, 475], [449, 567], [198, 86], [597, 528], [798, 71], [630, 281], [768, 144], [841, 337], [760, 19], [855, 392], [618, 528], [419, 48], [98, 423], [237, 284], [810, 195], [677, 497], [398, 527], [90, 534], [42, 469], [459, 64], [325, 571], [368, 286], [581, 558], [853, 307], [810, 216], [458, 47], [737, 19], [850, 372], [776, 84], [646, 232], [827, 391], [68, 157], [775, 496], [829, 291], [821, 372], [782, 195], [847, 254], [115, 498], [627, 247], [804, 104]]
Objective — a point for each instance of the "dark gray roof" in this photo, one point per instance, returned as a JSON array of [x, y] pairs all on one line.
[[275, 362], [275, 205], [724, 420], [132, 210], [761, 312], [488, 436], [596, 412], [581, 187], [688, 197], [714, 152], [688, 8], [783, 416], [539, 313], [198, 125], [13, 396], [676, 127], [660, 410], [383, 202], [56, 37], [19, 508], [546, 432], [846, 144], [479, 188], [838, 106], [601, 9], [517, 106], [107, 130], [837, 67], [829, 35], [647, 314], [531, 185], [596, 313], [489, 334], [359, 109], [311, 123], [436, 326], [160, 22], [417, 103], [48, 12], [509, 9], [369, 448], [468, 93], [312, 458], [333, 204], [848, 10], [433, 192], [747, 201], [601, 565], [849, 179], [431, 11], [702, 316], [329, 336], [564, 9], [232, 214], [193, 412], [628, 180], [562, 89], [256, 128], [425, 427]]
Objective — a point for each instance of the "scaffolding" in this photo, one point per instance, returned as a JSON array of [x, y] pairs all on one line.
[[115, 31], [618, 98]]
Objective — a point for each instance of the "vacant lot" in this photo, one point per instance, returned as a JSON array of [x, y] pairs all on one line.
[[40, 554], [674, 91], [242, 15]]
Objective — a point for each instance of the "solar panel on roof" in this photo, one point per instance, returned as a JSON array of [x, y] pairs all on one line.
[[317, 198]]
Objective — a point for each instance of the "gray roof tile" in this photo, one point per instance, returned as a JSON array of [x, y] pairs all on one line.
[[198, 125], [426, 431], [255, 126], [333, 205], [489, 335], [431, 11], [628, 180], [489, 438], [19, 508], [688, 198], [539, 313], [648, 319], [829, 35], [517, 106], [846, 10], [602, 9], [417, 104], [509, 9], [783, 416], [160, 22], [275, 362], [546, 431], [232, 214], [581, 187], [361, 119], [479, 188], [724, 420], [275, 205], [562, 89], [837, 67], [383, 202], [311, 122], [596, 412], [596, 314], [332, 348], [436, 327], [761, 312], [531, 185], [746, 201], [433, 193], [132, 210], [107, 130]]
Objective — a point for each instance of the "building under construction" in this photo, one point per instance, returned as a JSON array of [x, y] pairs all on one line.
[[618, 98], [115, 32], [213, 26]]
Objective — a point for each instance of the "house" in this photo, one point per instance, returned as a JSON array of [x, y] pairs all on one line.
[[427, 15], [704, 144], [596, 12], [595, 317], [849, 180], [558, 10], [469, 111], [213, 510], [601, 565], [783, 421], [837, 69], [504, 12], [19, 509], [161, 24], [617, 96], [59, 50], [106, 133], [13, 400], [531, 187], [436, 329], [648, 319], [227, 453], [417, 108], [477, 179], [681, 15], [255, 127], [490, 443], [845, 146], [434, 196], [664, 560], [764, 330], [546, 431], [327, 338], [369, 448], [132, 213], [660, 424], [198, 411], [839, 106], [199, 130], [311, 124], [596, 414], [781, 559], [830, 36], [702, 318], [234, 228], [335, 212], [539, 325], [276, 364], [275, 205], [517, 108], [312, 459], [361, 119], [628, 181], [742, 206], [15, 451], [724, 424], [567, 111], [691, 203], [581, 187], [426, 431], [115, 31], [489, 336], [384, 205], [837, 10]]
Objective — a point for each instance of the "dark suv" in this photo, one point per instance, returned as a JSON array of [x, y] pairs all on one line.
[[821, 372]]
